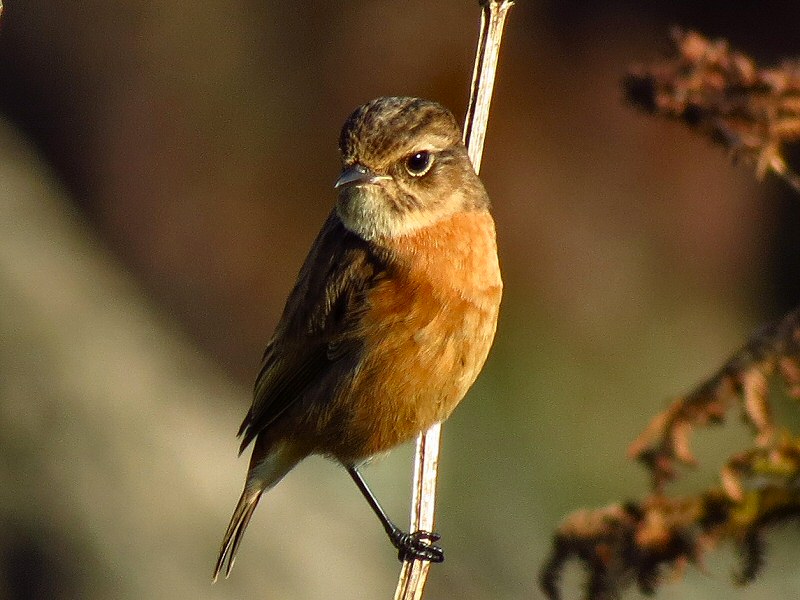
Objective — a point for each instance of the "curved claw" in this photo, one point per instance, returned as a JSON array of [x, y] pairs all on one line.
[[417, 546]]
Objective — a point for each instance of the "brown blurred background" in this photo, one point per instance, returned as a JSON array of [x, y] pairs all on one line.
[[164, 167]]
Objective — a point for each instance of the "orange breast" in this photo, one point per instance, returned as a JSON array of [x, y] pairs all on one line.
[[427, 331]]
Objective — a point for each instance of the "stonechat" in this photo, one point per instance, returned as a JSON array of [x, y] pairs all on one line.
[[392, 315]]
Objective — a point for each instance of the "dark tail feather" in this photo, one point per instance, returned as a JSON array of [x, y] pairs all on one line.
[[268, 465], [233, 536]]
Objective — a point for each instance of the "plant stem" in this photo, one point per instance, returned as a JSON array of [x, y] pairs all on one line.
[[414, 573]]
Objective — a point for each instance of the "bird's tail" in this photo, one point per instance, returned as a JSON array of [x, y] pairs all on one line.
[[233, 535], [267, 468]]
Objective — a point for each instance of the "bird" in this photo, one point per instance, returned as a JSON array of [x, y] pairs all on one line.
[[392, 315]]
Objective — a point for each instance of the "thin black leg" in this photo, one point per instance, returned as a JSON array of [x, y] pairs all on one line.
[[409, 545]]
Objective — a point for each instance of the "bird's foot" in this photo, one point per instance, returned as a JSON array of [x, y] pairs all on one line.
[[417, 545]]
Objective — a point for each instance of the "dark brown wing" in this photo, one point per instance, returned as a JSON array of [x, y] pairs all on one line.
[[317, 327]]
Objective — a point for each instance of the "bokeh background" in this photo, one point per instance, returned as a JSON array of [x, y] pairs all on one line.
[[164, 167]]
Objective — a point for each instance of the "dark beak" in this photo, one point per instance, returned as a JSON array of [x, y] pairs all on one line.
[[357, 174]]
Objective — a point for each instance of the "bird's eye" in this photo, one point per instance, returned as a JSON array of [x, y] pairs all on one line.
[[419, 163]]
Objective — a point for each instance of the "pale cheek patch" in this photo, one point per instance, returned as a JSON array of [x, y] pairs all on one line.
[[365, 211]]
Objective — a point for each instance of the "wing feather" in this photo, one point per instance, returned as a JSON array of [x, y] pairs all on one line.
[[318, 327]]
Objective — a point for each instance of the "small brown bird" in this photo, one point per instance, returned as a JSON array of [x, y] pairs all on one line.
[[392, 315]]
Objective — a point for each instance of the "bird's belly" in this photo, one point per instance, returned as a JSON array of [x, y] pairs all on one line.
[[419, 361]]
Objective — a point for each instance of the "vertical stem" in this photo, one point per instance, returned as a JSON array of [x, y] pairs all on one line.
[[414, 573], [493, 19]]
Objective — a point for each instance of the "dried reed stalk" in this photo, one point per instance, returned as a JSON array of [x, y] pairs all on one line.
[[414, 573]]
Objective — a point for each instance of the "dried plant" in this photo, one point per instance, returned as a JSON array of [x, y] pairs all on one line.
[[643, 542], [755, 114]]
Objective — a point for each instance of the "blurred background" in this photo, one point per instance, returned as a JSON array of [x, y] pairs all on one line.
[[164, 167]]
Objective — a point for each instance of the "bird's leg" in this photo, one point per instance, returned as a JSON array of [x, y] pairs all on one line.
[[417, 545]]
